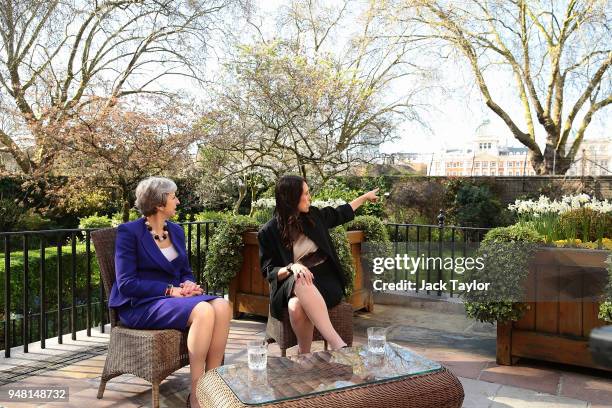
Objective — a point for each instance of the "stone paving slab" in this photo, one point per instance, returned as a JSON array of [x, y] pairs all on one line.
[[451, 339]]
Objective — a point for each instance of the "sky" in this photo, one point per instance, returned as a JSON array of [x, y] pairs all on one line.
[[457, 115]]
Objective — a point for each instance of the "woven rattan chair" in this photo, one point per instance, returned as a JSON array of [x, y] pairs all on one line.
[[148, 354], [281, 332]]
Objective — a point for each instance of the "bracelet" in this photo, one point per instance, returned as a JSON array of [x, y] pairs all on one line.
[[169, 288]]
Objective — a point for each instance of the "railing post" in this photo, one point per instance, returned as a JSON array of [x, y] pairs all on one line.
[[43, 299], [26, 287], [197, 275], [88, 254], [73, 288], [7, 296], [60, 279], [441, 218]]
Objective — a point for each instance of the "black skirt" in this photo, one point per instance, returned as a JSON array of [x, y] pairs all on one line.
[[326, 280]]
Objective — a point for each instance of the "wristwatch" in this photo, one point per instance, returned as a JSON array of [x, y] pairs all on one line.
[[288, 267], [169, 288]]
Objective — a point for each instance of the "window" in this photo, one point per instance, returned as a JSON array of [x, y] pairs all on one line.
[[488, 145], [492, 172], [485, 165], [501, 172], [477, 165], [510, 164], [492, 164], [485, 172]]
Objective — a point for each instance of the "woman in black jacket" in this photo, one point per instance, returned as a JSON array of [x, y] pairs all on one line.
[[299, 260]]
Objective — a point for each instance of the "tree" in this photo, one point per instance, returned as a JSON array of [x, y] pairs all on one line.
[[297, 103], [56, 54], [559, 53], [111, 146]]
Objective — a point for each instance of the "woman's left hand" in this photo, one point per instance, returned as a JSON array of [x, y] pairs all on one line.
[[371, 195]]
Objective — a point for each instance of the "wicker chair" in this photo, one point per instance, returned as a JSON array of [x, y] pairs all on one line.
[[281, 332], [148, 354]]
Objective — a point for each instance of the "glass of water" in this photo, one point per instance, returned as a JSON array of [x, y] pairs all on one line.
[[257, 352], [377, 338]]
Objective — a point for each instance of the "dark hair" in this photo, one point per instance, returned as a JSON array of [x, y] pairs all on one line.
[[288, 192]]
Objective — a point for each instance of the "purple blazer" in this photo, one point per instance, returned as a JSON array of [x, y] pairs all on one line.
[[143, 272]]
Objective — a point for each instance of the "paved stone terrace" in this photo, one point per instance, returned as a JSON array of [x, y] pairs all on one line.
[[465, 347]]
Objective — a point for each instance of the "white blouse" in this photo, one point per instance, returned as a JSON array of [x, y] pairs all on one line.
[[170, 253]]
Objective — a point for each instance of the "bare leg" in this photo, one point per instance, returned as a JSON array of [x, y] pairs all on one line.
[[201, 322], [223, 316], [313, 304], [301, 324]]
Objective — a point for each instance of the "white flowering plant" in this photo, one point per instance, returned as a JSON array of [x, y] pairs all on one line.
[[563, 219], [264, 203]]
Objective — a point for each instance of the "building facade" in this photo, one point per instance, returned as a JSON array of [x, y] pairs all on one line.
[[488, 155]]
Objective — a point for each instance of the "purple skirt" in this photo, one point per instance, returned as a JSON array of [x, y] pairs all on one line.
[[162, 313]]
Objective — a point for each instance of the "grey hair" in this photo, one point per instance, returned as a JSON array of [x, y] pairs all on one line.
[[153, 192]]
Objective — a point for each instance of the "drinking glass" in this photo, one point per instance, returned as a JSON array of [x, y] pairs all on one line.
[[377, 338], [257, 353]]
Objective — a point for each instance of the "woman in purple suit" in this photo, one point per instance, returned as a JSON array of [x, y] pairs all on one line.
[[155, 287]]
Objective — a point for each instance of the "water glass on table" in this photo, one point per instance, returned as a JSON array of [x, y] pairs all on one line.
[[377, 338], [257, 353]]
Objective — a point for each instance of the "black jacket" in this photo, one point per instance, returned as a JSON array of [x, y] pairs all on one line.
[[273, 255]]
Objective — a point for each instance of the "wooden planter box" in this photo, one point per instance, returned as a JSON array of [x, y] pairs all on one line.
[[249, 292], [557, 330]]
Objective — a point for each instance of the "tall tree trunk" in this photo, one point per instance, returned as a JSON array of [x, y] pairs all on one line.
[[242, 190], [125, 196], [253, 195], [552, 162]]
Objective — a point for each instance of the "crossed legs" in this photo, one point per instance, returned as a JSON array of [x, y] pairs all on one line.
[[308, 310], [208, 330]]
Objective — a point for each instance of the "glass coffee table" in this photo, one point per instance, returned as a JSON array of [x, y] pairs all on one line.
[[348, 377]]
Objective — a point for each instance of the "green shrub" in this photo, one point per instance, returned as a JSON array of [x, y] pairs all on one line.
[[374, 229], [10, 215], [95, 221], [605, 308], [506, 252], [212, 216], [585, 224], [32, 221], [335, 189], [51, 260], [343, 249], [377, 240], [216, 216], [476, 206], [117, 218], [263, 215], [225, 251]]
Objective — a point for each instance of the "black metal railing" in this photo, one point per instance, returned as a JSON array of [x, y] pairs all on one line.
[[52, 283], [58, 289], [441, 241]]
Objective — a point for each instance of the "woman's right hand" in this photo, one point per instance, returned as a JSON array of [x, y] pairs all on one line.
[[176, 292], [302, 274]]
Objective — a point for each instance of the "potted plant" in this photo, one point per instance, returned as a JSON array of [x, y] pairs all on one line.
[[549, 287]]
